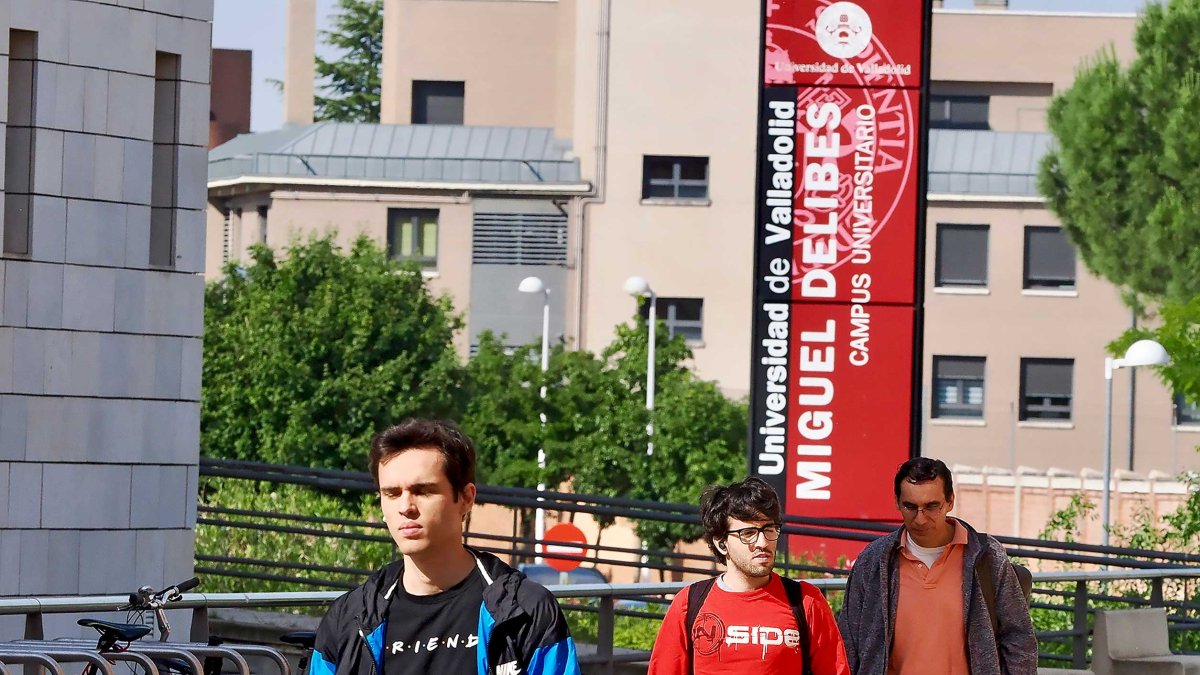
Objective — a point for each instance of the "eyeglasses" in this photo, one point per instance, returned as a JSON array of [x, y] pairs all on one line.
[[749, 535], [932, 508]]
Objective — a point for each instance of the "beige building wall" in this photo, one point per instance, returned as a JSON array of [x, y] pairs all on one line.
[[667, 97], [506, 53], [295, 214], [1005, 323], [1020, 59]]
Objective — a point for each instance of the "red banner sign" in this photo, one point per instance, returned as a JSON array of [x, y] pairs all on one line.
[[839, 217], [865, 43], [855, 207]]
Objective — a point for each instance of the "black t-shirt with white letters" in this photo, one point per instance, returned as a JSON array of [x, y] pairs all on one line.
[[434, 633]]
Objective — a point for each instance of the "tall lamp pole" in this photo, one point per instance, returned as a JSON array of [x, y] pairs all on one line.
[[639, 287], [536, 285], [1140, 353]]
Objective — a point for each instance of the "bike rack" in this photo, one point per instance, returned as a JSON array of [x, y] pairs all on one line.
[[18, 658], [268, 653], [62, 653], [189, 652], [140, 653], [51, 646]]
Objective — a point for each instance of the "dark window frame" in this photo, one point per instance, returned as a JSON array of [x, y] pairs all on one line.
[[1045, 282], [946, 118], [666, 310], [962, 408], [423, 89], [1045, 406], [676, 183], [1185, 414], [939, 275], [396, 218]]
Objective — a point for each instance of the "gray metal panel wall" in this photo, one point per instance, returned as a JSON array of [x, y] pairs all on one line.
[[498, 306]]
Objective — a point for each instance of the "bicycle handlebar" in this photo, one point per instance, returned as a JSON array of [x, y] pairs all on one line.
[[147, 598], [179, 589]]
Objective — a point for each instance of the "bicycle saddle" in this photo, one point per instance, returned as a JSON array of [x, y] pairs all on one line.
[[302, 638], [124, 632]]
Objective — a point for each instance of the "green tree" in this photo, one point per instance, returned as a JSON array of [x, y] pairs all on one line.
[[352, 81], [307, 356], [596, 417], [699, 434], [501, 413], [1121, 175]]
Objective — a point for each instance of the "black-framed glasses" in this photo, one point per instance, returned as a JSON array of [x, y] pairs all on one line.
[[749, 535], [932, 508]]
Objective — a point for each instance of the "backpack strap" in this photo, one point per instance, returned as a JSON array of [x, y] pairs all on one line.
[[697, 593], [795, 595], [983, 572], [987, 584]]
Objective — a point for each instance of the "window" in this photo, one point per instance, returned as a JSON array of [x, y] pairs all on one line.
[[1046, 389], [1186, 413], [1049, 259], [958, 386], [262, 224], [958, 112], [164, 183], [962, 252], [674, 177], [437, 102], [682, 316], [412, 236], [18, 137]]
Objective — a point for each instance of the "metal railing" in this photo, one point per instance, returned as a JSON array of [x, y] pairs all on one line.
[[517, 544], [1067, 593]]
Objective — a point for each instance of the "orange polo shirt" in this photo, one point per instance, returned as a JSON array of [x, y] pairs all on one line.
[[930, 632]]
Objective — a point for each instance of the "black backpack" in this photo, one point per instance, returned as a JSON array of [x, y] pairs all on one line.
[[983, 572], [698, 591]]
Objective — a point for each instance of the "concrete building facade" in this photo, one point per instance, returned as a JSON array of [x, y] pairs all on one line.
[[101, 300], [658, 104], [232, 73]]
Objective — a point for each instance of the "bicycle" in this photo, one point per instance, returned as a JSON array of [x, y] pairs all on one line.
[[116, 637], [305, 640]]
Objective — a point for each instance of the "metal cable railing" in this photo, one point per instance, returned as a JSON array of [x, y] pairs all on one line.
[[1067, 645]]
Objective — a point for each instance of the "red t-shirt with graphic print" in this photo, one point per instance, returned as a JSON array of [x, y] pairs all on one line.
[[750, 632]]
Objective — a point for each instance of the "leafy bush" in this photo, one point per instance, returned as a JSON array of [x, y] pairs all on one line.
[[349, 560]]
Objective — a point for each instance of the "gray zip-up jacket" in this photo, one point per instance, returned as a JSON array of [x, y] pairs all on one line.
[[868, 617]]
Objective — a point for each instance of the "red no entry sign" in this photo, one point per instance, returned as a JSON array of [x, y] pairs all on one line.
[[567, 539]]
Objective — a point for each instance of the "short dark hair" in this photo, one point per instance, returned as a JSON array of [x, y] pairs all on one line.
[[750, 499], [922, 469], [458, 453]]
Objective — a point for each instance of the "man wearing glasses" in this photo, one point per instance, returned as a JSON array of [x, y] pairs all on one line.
[[749, 619], [935, 597]]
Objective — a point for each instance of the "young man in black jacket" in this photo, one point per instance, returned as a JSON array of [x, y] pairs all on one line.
[[444, 608]]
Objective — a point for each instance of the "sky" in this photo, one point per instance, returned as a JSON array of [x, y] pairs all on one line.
[[258, 25]]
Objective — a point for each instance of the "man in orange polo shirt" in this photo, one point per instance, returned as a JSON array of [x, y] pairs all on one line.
[[914, 603]]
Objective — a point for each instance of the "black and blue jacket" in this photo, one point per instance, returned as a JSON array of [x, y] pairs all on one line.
[[521, 628]]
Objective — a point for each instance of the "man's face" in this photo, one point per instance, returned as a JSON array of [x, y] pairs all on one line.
[[924, 507], [752, 560], [419, 505]]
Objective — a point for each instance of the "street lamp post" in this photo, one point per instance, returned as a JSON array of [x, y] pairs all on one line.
[[639, 287], [1140, 353], [536, 285]]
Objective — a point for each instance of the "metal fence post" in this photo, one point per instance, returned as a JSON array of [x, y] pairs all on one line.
[[199, 631], [1079, 627], [33, 626], [604, 634], [1156, 592]]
